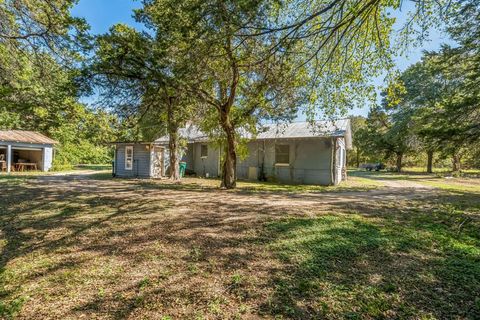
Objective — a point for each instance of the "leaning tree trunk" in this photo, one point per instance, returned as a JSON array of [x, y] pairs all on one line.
[[229, 175], [399, 161], [456, 163], [429, 161], [173, 143]]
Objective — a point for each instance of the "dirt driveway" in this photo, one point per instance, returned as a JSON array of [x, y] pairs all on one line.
[[196, 193]]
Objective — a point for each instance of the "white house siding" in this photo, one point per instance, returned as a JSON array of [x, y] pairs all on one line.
[[254, 159], [47, 158], [141, 161], [340, 162], [204, 166], [309, 163]]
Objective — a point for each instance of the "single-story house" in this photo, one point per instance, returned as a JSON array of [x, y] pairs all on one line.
[[25, 150], [299, 153]]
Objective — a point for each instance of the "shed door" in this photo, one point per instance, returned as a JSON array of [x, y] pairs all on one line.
[[157, 161]]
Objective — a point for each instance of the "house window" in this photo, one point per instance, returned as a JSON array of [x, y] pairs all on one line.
[[128, 157], [282, 154], [203, 151]]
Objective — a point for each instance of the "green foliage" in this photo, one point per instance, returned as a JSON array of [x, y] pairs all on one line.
[[359, 248], [8, 310], [40, 48], [434, 105], [359, 131], [50, 106]]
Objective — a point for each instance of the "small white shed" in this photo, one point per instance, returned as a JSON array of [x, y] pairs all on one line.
[[25, 150]]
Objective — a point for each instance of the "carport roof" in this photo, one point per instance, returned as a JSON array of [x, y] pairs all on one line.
[[22, 136]]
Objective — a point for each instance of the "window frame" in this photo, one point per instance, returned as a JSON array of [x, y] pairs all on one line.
[[201, 151], [277, 163], [128, 158]]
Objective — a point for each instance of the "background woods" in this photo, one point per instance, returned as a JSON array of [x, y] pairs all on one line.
[[431, 111], [230, 66]]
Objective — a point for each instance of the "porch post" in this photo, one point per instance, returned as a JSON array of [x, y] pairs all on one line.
[[9, 158]]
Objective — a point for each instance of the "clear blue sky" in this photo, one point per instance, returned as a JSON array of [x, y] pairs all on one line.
[[102, 14]]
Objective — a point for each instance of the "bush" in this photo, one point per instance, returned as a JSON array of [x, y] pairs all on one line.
[[61, 167], [83, 152]]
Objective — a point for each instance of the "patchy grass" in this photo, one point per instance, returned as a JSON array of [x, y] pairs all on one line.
[[101, 172], [449, 183], [96, 167], [385, 175], [18, 179], [352, 184], [455, 184], [78, 247], [443, 171], [355, 267]]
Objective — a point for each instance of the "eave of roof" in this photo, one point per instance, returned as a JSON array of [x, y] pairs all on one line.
[[26, 137], [295, 130], [134, 142]]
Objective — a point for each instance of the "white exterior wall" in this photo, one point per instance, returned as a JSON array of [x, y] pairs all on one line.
[[309, 163], [9, 158], [203, 166], [340, 160], [47, 159], [141, 161], [41, 154]]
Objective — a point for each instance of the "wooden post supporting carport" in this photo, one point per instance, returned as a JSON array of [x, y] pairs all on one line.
[[9, 158]]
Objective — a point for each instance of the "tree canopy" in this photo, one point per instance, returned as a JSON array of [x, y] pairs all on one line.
[[229, 66], [433, 106], [41, 48]]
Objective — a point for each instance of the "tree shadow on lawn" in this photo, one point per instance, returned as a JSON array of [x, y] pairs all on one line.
[[55, 232], [248, 187], [385, 175], [125, 249], [378, 262], [48, 229]]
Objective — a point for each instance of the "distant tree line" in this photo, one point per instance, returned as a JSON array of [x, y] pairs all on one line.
[[227, 66], [431, 111], [42, 48]]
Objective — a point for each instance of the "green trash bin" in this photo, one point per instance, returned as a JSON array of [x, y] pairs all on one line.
[[183, 166]]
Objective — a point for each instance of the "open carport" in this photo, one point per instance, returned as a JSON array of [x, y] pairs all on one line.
[[25, 150]]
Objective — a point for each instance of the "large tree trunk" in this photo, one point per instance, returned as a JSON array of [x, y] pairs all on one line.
[[456, 163], [399, 161], [429, 161], [358, 158], [229, 174], [229, 170], [173, 142]]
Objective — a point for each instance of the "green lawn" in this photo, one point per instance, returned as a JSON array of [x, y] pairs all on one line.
[[142, 249], [445, 182], [352, 184], [356, 267]]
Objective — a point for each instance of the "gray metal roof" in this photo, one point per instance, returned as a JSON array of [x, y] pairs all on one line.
[[294, 130], [305, 129], [191, 133], [22, 136]]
